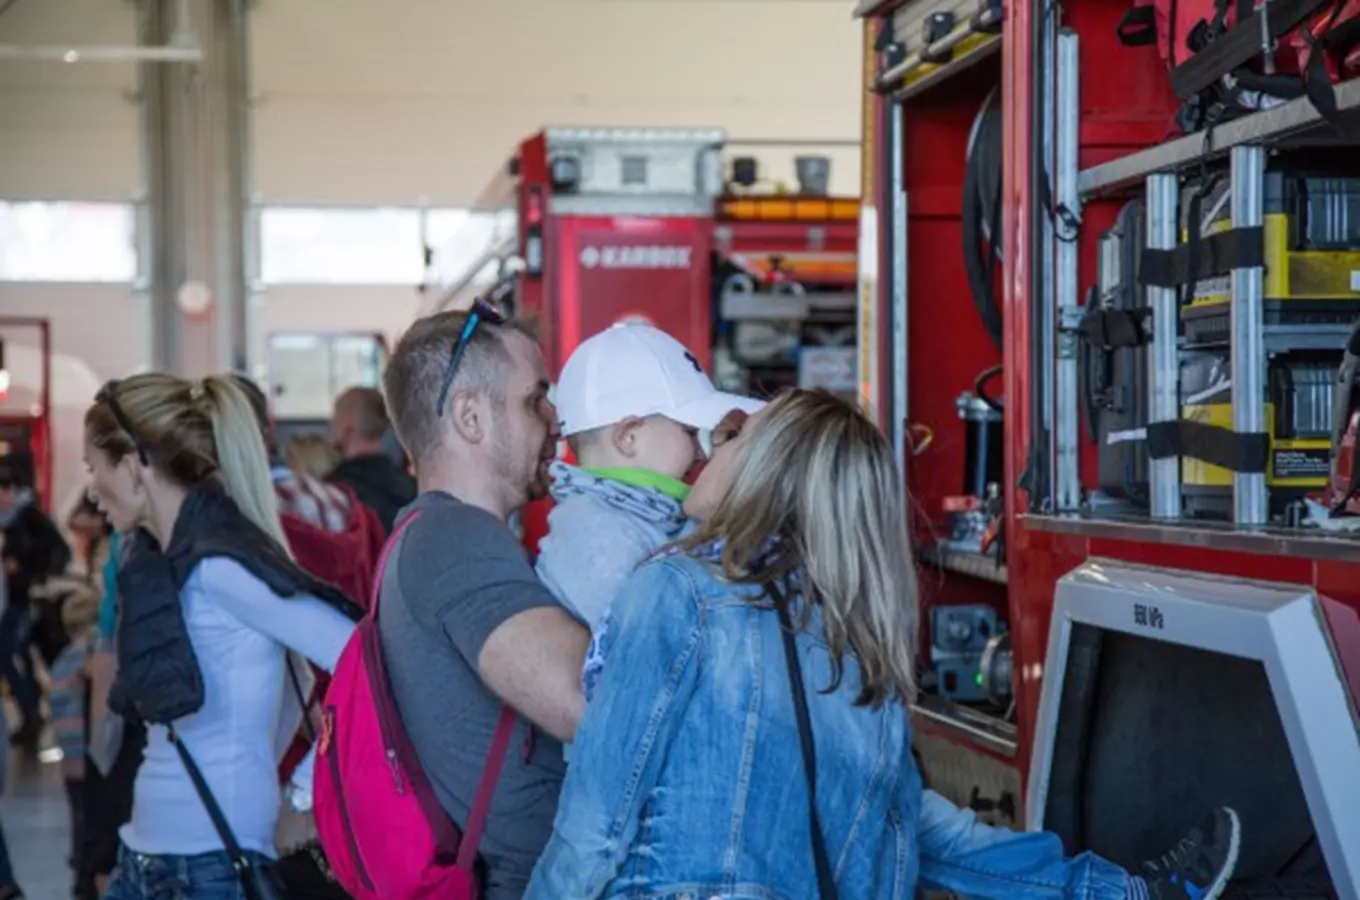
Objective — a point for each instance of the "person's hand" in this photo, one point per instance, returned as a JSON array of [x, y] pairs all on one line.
[[293, 829]]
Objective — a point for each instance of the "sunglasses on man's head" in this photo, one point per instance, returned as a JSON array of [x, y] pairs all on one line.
[[108, 395], [481, 311]]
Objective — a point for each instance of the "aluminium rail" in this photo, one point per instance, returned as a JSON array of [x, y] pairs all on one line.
[[1268, 126]]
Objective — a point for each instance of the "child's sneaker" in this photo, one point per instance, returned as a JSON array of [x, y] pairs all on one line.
[[1197, 868]]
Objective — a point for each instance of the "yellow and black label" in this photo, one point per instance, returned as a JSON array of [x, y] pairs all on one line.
[[1296, 463]]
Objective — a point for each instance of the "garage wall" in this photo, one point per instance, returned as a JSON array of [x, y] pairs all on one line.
[[98, 333], [413, 101], [101, 325], [361, 104], [421, 102], [69, 133]]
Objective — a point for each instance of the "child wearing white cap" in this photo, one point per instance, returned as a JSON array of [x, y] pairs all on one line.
[[631, 400]]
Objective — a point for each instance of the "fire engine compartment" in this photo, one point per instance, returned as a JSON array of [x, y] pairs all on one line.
[[1145, 730]]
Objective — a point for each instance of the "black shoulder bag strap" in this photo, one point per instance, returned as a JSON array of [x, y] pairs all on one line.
[[258, 881], [826, 881]]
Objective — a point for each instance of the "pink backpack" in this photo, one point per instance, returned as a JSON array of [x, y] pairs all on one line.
[[385, 835]]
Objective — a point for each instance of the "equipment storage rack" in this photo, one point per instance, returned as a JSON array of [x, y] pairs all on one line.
[[1160, 664]]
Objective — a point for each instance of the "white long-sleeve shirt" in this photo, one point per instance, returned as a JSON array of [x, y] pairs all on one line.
[[240, 631]]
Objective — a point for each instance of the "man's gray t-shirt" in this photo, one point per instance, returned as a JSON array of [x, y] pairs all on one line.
[[455, 575]]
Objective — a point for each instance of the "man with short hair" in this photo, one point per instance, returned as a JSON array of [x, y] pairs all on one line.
[[465, 624], [358, 424]]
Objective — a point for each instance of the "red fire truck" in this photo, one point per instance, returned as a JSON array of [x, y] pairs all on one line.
[[587, 227], [1140, 600]]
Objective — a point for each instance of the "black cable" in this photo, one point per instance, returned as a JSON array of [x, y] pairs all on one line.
[[4, 8], [979, 387], [981, 213]]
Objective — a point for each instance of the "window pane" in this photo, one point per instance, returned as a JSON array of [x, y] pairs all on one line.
[[300, 376], [308, 370], [442, 224], [485, 236], [356, 362], [340, 246], [60, 241]]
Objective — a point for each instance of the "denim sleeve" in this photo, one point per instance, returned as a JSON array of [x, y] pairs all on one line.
[[962, 855], [621, 744]]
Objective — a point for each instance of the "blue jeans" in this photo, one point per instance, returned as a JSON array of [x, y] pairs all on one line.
[[207, 876], [16, 662], [962, 855]]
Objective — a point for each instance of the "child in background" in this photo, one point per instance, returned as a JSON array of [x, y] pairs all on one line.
[[70, 704], [632, 400]]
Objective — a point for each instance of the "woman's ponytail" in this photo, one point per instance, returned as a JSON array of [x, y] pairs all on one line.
[[241, 454]]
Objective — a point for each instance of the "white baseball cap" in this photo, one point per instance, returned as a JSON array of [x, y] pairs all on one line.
[[632, 371]]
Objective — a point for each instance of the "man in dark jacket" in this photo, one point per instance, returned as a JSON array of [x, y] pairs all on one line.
[[33, 550], [358, 425]]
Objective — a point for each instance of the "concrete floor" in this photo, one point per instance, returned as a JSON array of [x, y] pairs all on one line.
[[37, 828]]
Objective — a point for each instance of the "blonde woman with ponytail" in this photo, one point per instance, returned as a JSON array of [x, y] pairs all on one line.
[[213, 604]]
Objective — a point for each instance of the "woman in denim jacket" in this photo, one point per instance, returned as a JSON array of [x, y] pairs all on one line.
[[688, 781]]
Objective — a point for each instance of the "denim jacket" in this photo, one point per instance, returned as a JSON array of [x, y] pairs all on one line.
[[688, 779]]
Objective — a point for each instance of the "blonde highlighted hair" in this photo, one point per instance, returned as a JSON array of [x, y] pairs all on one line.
[[191, 432], [311, 454], [818, 477]]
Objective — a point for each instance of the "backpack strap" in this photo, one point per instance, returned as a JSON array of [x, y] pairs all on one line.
[[486, 789], [381, 568]]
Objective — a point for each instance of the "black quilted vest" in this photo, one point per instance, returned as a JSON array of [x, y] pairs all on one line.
[[158, 674]]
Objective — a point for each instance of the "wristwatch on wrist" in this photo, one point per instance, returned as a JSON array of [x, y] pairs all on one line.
[[300, 798]]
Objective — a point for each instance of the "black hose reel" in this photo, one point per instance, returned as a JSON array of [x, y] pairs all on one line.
[[982, 212]]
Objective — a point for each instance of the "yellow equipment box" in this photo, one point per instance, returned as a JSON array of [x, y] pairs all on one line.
[[1298, 417], [1310, 247]]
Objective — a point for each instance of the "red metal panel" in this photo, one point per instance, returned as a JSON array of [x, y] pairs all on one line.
[[1339, 586], [1212, 562], [611, 268], [533, 294], [1126, 97], [949, 347]]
